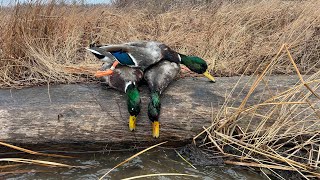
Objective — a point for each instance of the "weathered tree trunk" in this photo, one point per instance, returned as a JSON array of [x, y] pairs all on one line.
[[82, 113]]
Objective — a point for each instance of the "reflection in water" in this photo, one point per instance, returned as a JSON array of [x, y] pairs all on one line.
[[155, 161]]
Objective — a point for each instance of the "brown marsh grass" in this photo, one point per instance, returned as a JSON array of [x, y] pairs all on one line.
[[281, 132], [6, 164], [39, 41]]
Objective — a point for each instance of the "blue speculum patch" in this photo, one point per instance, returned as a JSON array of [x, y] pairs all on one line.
[[123, 58]]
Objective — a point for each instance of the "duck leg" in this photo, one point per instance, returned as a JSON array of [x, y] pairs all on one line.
[[107, 72], [133, 104], [154, 112]]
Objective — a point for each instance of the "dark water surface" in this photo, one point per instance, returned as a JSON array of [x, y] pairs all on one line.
[[154, 161]]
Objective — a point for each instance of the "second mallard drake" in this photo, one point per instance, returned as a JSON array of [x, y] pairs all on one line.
[[159, 76]]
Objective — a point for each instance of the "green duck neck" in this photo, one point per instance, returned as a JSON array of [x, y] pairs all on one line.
[[154, 106], [194, 63], [133, 99]]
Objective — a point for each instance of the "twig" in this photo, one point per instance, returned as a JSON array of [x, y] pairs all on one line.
[[299, 74], [251, 164], [214, 142], [184, 159], [160, 174], [32, 152], [130, 158]]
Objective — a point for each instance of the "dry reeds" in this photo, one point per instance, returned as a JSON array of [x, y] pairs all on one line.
[[279, 133], [21, 161], [146, 175], [38, 41], [132, 157]]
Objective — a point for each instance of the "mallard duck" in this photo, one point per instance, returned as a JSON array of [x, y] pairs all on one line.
[[158, 78], [143, 54], [126, 79], [160, 75]]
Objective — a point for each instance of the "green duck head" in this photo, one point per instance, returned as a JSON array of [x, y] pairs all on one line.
[[154, 112], [133, 104], [197, 65]]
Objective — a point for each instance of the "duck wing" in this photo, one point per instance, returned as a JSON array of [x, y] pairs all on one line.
[[102, 54], [146, 53], [136, 54]]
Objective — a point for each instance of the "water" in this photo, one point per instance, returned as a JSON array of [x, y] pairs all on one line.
[[154, 161]]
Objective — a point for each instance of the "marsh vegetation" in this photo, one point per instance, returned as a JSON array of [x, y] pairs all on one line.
[[40, 42], [44, 43]]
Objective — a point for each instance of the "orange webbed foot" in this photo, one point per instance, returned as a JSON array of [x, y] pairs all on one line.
[[103, 73]]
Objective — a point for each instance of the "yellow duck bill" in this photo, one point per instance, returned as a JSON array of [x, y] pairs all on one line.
[[209, 76], [155, 129], [132, 123]]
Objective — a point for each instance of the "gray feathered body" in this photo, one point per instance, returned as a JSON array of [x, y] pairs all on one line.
[[122, 77], [140, 54], [161, 75]]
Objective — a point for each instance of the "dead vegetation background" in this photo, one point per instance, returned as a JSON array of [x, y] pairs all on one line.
[[279, 134], [39, 41]]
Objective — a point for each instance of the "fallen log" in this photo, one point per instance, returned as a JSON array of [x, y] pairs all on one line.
[[88, 113]]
